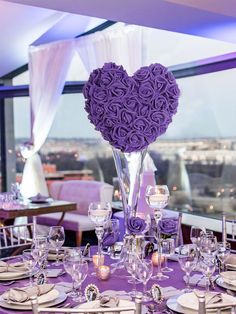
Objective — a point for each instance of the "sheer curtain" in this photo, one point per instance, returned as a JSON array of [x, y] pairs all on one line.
[[48, 66]]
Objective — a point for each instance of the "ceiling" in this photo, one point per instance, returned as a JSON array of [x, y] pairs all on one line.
[[25, 22]]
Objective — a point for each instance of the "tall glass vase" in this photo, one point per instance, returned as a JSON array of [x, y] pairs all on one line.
[[129, 169]]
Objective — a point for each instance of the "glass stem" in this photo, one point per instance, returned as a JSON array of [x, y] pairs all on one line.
[[207, 284], [99, 233], [31, 279], [188, 281], [57, 255], [80, 293], [134, 284], [144, 288], [159, 273], [73, 286]]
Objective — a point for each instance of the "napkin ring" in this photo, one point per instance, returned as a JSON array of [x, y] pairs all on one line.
[[157, 294], [91, 292]]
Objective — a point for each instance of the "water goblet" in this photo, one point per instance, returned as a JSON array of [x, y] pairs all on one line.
[[168, 249], [208, 266], [30, 263], [208, 246], [56, 239], [79, 276], [187, 258], [223, 252], [99, 213], [195, 234], [144, 272]]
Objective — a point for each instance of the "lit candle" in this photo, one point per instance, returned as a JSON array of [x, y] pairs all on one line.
[[98, 260], [103, 272], [155, 259]]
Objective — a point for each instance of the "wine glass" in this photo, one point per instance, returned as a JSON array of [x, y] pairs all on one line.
[[208, 266], [168, 249], [70, 262], [56, 239], [131, 264], [187, 258], [99, 213], [79, 276], [40, 254], [157, 197], [144, 272], [223, 252], [208, 246], [195, 234], [30, 263]]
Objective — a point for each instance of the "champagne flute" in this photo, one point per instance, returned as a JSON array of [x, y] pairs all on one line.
[[100, 214], [168, 249], [187, 258], [79, 276], [30, 262], [157, 197], [56, 239], [223, 252], [144, 271]]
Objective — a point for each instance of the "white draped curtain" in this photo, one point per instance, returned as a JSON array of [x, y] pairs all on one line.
[[48, 67]]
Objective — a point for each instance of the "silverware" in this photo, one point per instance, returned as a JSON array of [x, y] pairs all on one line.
[[65, 305], [8, 283]]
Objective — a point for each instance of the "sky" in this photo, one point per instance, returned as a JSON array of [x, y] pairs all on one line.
[[207, 105]]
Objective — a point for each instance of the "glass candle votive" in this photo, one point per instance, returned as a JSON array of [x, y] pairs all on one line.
[[98, 260], [155, 259], [103, 272]]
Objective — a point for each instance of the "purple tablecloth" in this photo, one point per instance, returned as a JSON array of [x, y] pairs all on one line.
[[117, 281]]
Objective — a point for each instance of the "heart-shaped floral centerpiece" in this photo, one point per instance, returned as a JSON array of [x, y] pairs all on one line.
[[131, 112]]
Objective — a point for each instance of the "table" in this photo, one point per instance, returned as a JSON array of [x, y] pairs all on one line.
[[118, 281], [33, 210]]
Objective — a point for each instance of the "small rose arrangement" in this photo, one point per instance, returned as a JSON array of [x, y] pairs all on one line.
[[136, 225], [110, 238], [168, 227], [131, 112]]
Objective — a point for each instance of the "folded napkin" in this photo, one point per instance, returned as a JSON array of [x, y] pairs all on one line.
[[24, 294], [38, 198], [110, 238], [13, 267], [108, 301], [213, 297]]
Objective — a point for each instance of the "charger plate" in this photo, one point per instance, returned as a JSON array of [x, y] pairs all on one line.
[[173, 305], [221, 283], [12, 306]]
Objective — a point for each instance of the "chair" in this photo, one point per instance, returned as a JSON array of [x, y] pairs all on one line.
[[15, 238], [228, 220], [136, 308], [82, 193]]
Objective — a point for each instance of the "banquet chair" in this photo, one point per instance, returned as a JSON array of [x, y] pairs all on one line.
[[228, 221], [218, 308], [136, 308], [15, 238]]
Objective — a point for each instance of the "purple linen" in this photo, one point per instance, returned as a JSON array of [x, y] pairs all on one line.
[[110, 238], [117, 281], [136, 225], [131, 112]]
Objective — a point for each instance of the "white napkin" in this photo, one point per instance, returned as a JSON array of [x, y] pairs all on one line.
[[113, 293], [54, 272], [24, 294], [198, 280], [168, 292], [13, 267], [108, 301], [64, 286]]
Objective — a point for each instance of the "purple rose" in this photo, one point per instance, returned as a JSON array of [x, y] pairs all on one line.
[[98, 94], [168, 226], [136, 225], [110, 238], [161, 84], [136, 141], [146, 91], [126, 116], [157, 69], [142, 74], [140, 124], [159, 117]]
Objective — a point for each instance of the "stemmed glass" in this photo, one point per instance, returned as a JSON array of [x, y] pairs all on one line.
[[131, 264], [30, 262], [187, 258], [168, 249], [40, 254], [223, 252], [71, 260], [144, 272], [56, 239], [195, 234], [208, 266], [79, 276], [99, 213], [157, 198]]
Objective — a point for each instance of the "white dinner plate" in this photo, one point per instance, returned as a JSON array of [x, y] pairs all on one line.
[[12, 306], [221, 283], [95, 305], [173, 305], [6, 276]]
